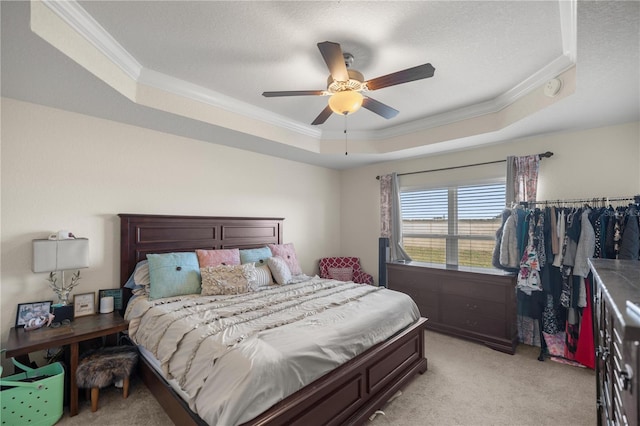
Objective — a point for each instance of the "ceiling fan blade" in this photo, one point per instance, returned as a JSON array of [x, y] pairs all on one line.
[[332, 54], [294, 93], [404, 76], [326, 113], [379, 108]]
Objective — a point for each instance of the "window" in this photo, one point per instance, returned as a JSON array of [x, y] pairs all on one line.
[[453, 226]]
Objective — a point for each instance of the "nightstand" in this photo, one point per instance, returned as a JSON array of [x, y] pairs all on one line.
[[21, 343]]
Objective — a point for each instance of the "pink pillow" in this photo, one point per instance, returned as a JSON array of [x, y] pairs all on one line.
[[218, 257], [288, 253], [341, 274]]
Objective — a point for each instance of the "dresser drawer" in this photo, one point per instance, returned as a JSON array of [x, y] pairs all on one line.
[[474, 323], [478, 290], [426, 299], [471, 307], [401, 276], [631, 350]]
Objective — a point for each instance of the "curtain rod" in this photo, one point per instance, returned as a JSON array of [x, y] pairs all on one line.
[[602, 200], [543, 155]]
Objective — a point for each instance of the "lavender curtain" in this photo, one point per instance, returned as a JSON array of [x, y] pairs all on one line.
[[391, 216]]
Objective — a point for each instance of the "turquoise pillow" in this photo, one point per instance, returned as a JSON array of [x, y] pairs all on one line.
[[173, 274], [258, 256]]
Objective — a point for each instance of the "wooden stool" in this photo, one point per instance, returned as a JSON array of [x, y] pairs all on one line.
[[102, 367]]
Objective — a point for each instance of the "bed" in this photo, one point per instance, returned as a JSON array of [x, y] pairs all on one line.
[[346, 394]]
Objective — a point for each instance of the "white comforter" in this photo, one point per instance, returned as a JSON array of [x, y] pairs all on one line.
[[236, 356]]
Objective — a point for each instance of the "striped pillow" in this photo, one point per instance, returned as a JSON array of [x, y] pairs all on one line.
[[263, 279]]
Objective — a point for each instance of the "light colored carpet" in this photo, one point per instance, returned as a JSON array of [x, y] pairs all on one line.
[[469, 384], [466, 384]]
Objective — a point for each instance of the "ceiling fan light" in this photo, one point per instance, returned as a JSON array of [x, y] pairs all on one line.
[[345, 102]]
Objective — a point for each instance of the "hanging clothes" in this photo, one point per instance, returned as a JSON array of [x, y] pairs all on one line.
[[509, 253], [585, 352], [586, 245], [557, 262], [630, 238], [495, 260], [554, 286], [529, 275]]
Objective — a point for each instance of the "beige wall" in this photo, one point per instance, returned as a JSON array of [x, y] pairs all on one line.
[[594, 163], [62, 170]]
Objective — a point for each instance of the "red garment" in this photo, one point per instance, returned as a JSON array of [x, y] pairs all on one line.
[[586, 351]]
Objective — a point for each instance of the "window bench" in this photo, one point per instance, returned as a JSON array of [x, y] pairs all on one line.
[[471, 304]]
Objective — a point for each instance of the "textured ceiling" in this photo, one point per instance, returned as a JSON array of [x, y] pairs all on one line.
[[488, 56], [241, 49]]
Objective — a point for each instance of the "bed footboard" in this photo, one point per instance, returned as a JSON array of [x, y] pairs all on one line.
[[346, 396], [351, 393]]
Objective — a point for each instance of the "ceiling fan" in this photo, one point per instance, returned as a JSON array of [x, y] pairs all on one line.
[[345, 85]]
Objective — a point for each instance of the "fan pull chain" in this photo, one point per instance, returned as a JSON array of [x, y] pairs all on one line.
[[346, 142]]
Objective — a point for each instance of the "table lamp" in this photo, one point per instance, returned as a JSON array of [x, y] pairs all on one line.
[[59, 255]]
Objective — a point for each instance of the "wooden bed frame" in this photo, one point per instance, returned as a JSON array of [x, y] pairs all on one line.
[[347, 395]]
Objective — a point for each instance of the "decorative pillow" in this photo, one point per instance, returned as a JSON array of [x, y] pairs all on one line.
[[139, 280], [288, 253], [263, 278], [218, 257], [141, 274], [341, 274], [173, 274], [258, 256], [279, 269], [227, 279]]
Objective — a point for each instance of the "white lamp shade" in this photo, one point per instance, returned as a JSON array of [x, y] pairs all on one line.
[[60, 255], [345, 102]]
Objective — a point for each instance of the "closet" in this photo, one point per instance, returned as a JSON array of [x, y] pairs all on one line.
[[547, 245]]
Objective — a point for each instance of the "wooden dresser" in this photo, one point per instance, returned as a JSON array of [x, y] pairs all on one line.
[[617, 340], [472, 305]]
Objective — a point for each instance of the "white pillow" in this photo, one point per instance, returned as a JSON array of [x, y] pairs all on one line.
[[263, 278], [279, 269]]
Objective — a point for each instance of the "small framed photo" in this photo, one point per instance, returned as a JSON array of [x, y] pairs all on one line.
[[84, 304], [32, 311]]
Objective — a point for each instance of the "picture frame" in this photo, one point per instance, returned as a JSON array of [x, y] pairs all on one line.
[[116, 293], [84, 304], [28, 311]]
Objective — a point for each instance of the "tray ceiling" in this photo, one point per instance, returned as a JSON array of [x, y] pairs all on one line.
[[206, 63]]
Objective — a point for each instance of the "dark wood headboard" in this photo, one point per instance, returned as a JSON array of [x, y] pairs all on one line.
[[141, 234]]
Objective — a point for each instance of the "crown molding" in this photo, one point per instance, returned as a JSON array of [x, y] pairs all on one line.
[[84, 24], [569, 28], [197, 93]]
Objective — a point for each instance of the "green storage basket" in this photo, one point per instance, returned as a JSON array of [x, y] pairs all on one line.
[[36, 403]]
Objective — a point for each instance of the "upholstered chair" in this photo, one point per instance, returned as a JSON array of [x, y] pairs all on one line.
[[344, 269]]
